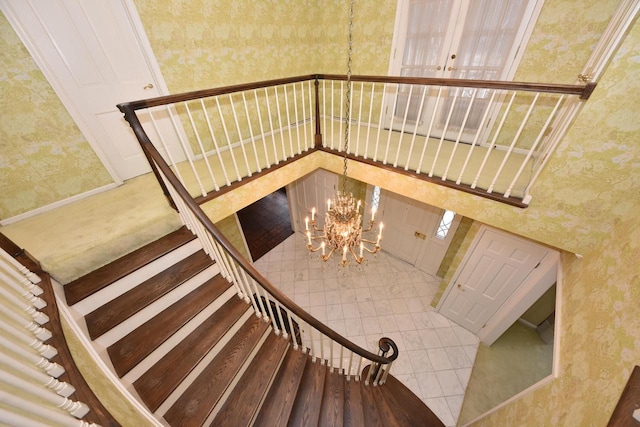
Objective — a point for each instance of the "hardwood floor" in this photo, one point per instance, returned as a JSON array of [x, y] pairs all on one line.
[[266, 223]]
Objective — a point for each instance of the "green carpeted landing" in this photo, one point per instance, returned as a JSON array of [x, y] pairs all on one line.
[[517, 360], [75, 239]]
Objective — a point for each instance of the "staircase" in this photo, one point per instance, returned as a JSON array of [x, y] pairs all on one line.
[[178, 336]]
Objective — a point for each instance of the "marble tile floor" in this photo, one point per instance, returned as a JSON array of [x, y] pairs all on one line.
[[389, 298]]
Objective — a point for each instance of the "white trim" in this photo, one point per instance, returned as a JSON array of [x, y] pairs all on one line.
[[244, 239], [612, 37], [57, 204], [104, 370], [145, 46], [555, 368], [527, 293]]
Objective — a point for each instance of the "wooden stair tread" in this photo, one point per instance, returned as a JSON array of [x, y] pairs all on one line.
[[281, 397], [126, 305], [353, 412], [129, 351], [405, 402], [332, 409], [90, 283], [248, 394], [306, 409], [157, 383], [197, 402]]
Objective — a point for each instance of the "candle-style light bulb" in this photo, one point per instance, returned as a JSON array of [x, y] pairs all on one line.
[[328, 204], [313, 214], [306, 223], [358, 208], [309, 237], [322, 246], [373, 212], [361, 248], [344, 253]]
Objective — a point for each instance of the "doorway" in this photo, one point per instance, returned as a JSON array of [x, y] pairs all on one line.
[[95, 55], [266, 223]]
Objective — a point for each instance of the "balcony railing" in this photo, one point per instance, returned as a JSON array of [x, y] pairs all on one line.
[[489, 138]]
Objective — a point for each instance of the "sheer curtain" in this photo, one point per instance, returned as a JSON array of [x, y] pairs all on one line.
[[471, 39]]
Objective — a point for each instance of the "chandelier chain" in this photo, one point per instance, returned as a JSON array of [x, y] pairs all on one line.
[[348, 97]]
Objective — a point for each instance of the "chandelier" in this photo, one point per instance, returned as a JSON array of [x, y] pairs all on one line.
[[342, 232]]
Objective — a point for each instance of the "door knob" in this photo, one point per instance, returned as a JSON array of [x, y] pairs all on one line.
[[439, 68], [149, 86], [452, 68], [460, 287]]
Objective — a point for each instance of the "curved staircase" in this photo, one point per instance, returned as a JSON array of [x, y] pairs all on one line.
[[178, 336]]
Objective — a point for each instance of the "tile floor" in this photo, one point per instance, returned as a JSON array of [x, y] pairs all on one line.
[[387, 298]]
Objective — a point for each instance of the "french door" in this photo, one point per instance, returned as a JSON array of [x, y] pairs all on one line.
[[460, 39]]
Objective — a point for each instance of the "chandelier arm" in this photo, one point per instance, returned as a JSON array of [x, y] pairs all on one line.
[[371, 223], [326, 257], [358, 259]]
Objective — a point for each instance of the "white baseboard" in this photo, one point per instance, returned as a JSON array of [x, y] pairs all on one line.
[[57, 204]]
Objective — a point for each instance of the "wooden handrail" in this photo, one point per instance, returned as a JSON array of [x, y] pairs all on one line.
[[197, 94], [153, 153], [583, 90]]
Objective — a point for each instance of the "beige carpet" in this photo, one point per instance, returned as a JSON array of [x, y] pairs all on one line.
[[75, 239], [517, 360]]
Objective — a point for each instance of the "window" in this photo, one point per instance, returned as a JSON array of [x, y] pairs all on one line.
[[445, 224], [459, 39]]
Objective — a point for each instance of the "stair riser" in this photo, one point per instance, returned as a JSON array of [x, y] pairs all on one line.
[[129, 282], [168, 403], [156, 307], [175, 339]]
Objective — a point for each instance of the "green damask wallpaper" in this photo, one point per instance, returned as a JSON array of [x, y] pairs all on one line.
[[43, 156], [586, 201]]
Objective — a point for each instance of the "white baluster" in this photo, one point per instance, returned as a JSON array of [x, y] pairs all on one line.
[[52, 369], [286, 107], [285, 335], [262, 134], [201, 146], [37, 302], [215, 143], [37, 316], [77, 409], [271, 130], [392, 115], [31, 371], [229, 144], [475, 139], [341, 114], [25, 408], [253, 139], [462, 126], [493, 142], [415, 128], [27, 339], [444, 132], [428, 135], [366, 146], [404, 123], [513, 143], [41, 333], [533, 147], [185, 150], [359, 119], [332, 112], [312, 130], [295, 111], [240, 139], [324, 113], [380, 121], [24, 271], [164, 146], [284, 150]]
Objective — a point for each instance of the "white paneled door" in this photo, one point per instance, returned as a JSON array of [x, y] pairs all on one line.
[[94, 58], [496, 266]]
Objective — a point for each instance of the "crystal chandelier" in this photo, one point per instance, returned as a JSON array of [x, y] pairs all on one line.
[[342, 232]]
